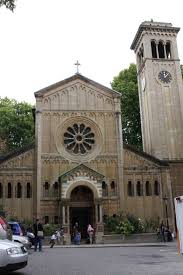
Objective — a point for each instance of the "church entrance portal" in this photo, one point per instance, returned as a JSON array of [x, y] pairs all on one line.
[[81, 209]]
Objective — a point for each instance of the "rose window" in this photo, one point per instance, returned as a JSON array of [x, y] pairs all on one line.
[[79, 139]]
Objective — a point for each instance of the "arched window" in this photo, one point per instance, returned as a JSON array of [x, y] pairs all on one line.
[[55, 186], [139, 188], [168, 50], [156, 188], [161, 50], [19, 190], [153, 49], [148, 188], [130, 189], [46, 219], [1, 190], [55, 219], [9, 195], [113, 188], [28, 190], [46, 185], [104, 189]]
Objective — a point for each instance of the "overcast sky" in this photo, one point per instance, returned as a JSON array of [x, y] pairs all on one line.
[[42, 39]]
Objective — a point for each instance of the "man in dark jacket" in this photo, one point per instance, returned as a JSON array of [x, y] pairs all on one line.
[[38, 232]]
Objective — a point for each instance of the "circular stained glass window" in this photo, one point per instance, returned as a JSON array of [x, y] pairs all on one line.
[[79, 138]]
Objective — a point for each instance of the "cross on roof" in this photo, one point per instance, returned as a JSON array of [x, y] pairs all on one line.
[[77, 66]]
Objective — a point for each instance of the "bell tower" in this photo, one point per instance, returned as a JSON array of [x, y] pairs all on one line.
[[160, 89]]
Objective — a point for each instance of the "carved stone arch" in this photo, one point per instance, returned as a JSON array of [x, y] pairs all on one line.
[[86, 183]]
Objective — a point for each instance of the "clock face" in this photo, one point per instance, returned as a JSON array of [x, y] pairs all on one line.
[[165, 77]]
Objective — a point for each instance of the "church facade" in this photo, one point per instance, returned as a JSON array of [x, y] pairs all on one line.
[[79, 170]]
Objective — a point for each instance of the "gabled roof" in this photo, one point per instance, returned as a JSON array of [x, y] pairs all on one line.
[[77, 76], [145, 155], [79, 167], [16, 152]]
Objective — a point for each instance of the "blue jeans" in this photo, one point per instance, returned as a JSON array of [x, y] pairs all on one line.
[[38, 241]]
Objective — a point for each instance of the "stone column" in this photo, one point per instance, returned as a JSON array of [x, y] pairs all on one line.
[[99, 222], [119, 139], [37, 184]]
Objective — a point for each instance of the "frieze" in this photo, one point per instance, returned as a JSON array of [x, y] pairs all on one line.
[[73, 114], [56, 96]]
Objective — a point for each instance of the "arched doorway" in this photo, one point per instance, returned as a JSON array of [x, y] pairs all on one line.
[[82, 209]]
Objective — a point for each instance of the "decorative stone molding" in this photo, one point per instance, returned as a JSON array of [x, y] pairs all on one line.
[[84, 181]]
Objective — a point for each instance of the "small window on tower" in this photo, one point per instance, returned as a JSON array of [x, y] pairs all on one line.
[[153, 49], [168, 50], [1, 190], [161, 50]]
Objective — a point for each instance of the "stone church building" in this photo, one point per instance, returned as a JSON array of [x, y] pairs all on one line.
[[79, 169]]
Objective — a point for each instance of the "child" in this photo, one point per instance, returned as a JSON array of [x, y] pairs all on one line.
[[77, 237], [52, 240]]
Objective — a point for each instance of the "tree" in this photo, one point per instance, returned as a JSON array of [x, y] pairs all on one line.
[[16, 123], [9, 4], [181, 67], [126, 84]]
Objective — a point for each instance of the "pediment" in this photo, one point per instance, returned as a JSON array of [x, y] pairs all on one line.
[[77, 93], [77, 78], [81, 170], [134, 159], [19, 159]]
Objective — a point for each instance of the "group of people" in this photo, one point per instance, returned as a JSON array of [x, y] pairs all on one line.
[[77, 234], [36, 234], [57, 237]]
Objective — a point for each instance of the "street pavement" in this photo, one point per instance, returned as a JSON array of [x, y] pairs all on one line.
[[105, 260]]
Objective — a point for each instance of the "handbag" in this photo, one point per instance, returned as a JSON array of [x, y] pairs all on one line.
[[40, 233]]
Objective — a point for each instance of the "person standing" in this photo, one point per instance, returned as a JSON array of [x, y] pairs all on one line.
[[38, 233], [58, 236], [90, 232]]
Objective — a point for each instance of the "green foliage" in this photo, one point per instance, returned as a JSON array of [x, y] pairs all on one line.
[[9, 4], [111, 223], [125, 227], [126, 84], [181, 67], [129, 224], [49, 229], [151, 225], [16, 124], [136, 222]]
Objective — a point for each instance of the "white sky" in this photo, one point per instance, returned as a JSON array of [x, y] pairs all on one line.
[[42, 39]]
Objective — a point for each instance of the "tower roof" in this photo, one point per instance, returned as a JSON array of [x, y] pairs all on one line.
[[152, 26]]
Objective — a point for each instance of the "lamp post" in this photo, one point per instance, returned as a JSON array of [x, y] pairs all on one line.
[[165, 198]]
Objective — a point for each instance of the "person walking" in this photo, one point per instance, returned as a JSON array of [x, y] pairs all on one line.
[[38, 233], [90, 232], [53, 239]]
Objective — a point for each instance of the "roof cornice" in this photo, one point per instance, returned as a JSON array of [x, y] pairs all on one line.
[[77, 76], [153, 26]]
